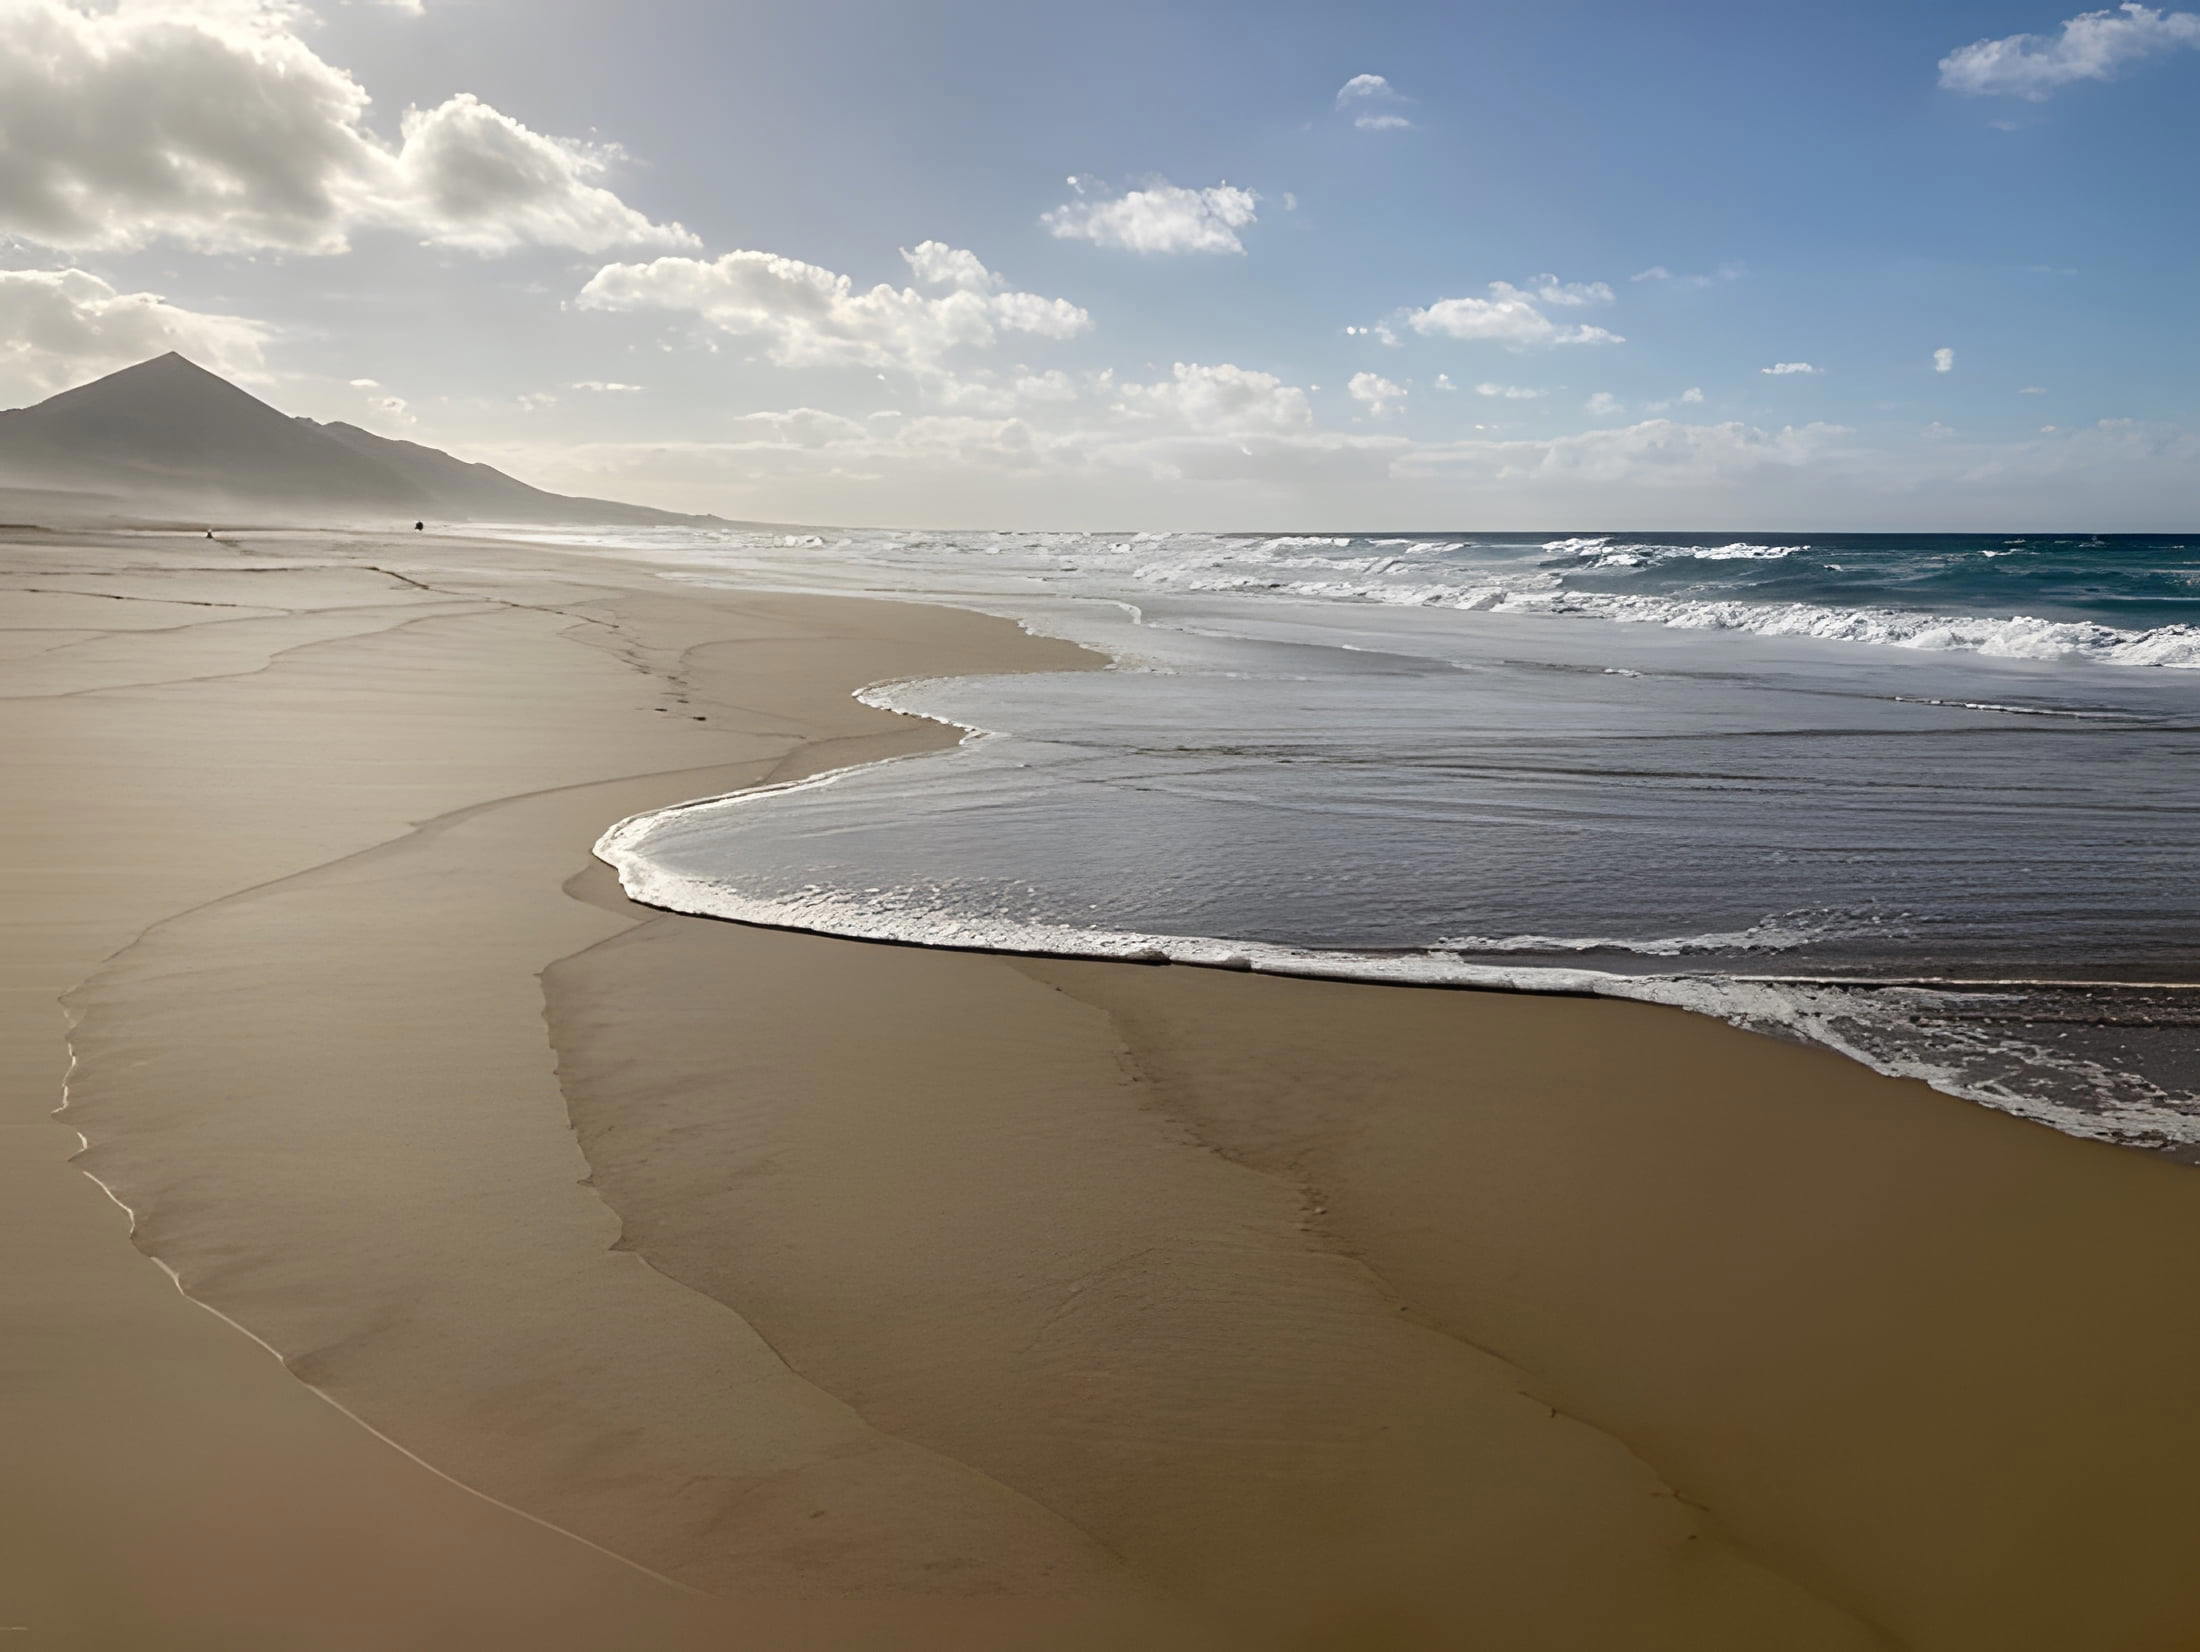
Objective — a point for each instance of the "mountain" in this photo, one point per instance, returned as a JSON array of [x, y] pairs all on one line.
[[168, 435]]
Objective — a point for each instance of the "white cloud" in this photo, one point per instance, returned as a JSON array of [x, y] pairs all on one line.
[[798, 427], [365, 384], [1937, 432], [936, 264], [471, 176], [808, 316], [1443, 382], [1376, 393], [1152, 451], [1658, 272], [1510, 392], [2092, 46], [1381, 331], [1659, 453], [1944, 360], [1018, 392], [1510, 314], [1373, 103], [1164, 218], [1785, 369], [1602, 405], [1691, 397], [212, 123], [2033, 390], [1204, 425], [610, 387], [1569, 295], [62, 327], [1221, 397]]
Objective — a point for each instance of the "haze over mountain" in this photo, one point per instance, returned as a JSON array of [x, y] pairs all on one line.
[[168, 436]]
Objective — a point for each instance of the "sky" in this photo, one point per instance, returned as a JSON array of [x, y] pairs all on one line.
[[1211, 264]]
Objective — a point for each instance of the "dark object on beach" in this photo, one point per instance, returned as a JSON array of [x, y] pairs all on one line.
[[419, 527]]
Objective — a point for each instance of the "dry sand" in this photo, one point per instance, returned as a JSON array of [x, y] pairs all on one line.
[[862, 1296]]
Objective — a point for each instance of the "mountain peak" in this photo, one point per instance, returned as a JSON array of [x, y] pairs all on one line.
[[164, 386], [167, 427]]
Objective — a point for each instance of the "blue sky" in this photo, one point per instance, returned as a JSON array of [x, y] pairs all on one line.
[[1267, 300]]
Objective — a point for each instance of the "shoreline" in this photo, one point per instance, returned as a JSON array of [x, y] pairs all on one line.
[[2126, 1109], [1165, 1307]]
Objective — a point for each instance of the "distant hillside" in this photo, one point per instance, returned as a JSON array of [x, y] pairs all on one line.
[[168, 435]]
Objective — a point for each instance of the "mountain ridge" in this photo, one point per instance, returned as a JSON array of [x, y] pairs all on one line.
[[169, 434]]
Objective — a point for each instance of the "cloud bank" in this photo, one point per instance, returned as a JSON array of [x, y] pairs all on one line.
[[807, 316], [213, 124]]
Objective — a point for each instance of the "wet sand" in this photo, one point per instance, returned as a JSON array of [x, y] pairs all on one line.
[[862, 1296]]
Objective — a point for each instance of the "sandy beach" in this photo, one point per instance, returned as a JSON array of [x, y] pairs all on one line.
[[510, 1265]]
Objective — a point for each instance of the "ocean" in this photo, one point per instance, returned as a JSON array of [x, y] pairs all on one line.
[[1932, 801]]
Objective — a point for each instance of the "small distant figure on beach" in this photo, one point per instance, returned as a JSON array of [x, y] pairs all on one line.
[[210, 533], [420, 527]]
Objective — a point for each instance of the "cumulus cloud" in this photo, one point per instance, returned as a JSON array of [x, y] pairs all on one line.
[[1219, 397], [62, 327], [471, 176], [1376, 393], [936, 264], [1944, 360], [1691, 397], [609, 387], [1656, 272], [1373, 103], [1162, 218], [212, 123], [807, 316], [1602, 405], [1787, 369], [2091, 46], [1510, 392], [1513, 315]]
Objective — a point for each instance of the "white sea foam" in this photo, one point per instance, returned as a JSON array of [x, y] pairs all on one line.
[[2020, 636], [1951, 1037], [1775, 934], [1542, 591], [1400, 572], [1915, 1030], [1608, 555]]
